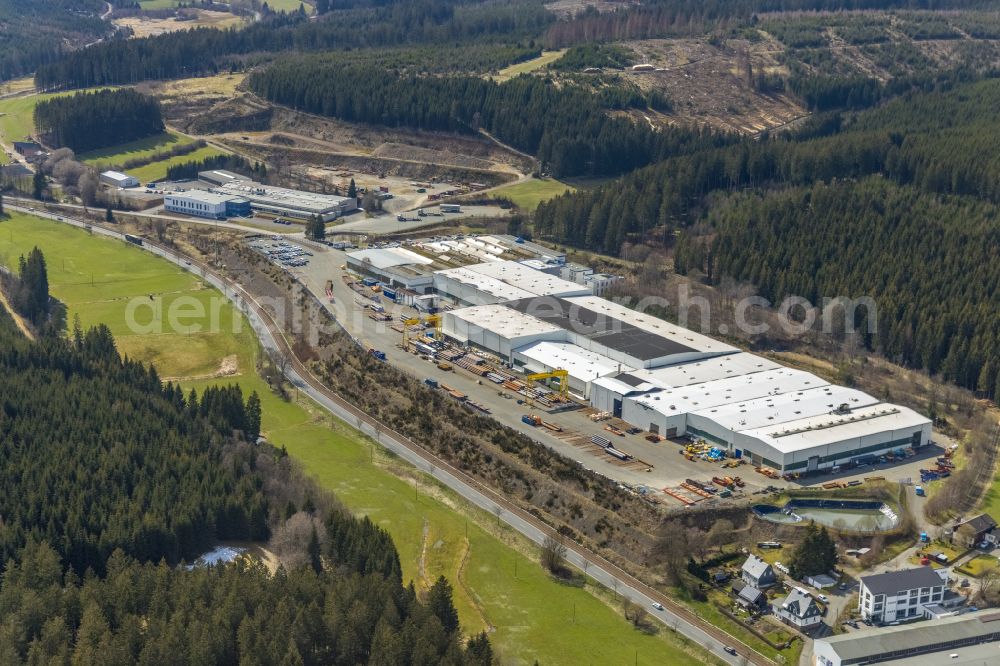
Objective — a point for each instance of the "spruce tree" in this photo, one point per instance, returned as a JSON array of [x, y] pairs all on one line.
[[253, 411], [352, 190], [313, 551], [38, 185], [440, 603]]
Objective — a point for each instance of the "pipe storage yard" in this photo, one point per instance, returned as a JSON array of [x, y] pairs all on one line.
[[634, 374]]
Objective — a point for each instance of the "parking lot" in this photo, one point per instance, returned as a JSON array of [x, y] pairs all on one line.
[[283, 253], [654, 467]]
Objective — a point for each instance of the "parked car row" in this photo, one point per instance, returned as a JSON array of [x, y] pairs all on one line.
[[283, 253]]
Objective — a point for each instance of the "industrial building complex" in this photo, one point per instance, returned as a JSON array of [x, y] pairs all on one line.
[[533, 312], [970, 638], [230, 194]]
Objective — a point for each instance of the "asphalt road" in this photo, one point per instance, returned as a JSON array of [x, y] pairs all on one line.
[[673, 615]]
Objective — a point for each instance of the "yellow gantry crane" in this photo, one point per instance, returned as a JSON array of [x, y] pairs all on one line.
[[430, 320], [559, 373]]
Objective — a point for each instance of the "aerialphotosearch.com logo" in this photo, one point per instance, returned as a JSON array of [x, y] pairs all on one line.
[[747, 316]]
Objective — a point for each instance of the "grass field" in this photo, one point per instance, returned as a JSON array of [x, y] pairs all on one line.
[[547, 58], [17, 85], [143, 26], [158, 170], [533, 615], [276, 5], [141, 148], [220, 84], [530, 193], [979, 565]]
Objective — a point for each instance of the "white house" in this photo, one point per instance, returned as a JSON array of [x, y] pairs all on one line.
[[798, 609], [899, 595]]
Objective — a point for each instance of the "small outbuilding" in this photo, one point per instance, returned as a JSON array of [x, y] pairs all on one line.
[[751, 598], [119, 179]]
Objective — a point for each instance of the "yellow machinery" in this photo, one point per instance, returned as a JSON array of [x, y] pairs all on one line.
[[560, 374], [429, 320]]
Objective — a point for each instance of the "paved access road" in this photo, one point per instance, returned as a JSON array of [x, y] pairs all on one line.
[[272, 338]]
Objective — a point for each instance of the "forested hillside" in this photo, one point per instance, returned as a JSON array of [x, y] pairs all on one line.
[[140, 467], [943, 142], [567, 127], [91, 120], [930, 263], [110, 478], [391, 24], [661, 18], [40, 31]]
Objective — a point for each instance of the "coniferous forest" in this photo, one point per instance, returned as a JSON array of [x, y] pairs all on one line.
[[113, 478], [92, 120], [568, 128], [39, 32], [899, 203]]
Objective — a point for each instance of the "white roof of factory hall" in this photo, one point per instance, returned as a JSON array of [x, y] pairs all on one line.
[[268, 194], [698, 397], [388, 257], [203, 197], [707, 370], [772, 410], [117, 175], [580, 363], [626, 383], [504, 322], [465, 248], [651, 324], [529, 279], [499, 289], [832, 428]]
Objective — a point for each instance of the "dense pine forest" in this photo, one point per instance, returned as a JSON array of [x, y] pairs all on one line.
[[92, 120], [113, 478], [567, 127], [929, 262], [38, 32]]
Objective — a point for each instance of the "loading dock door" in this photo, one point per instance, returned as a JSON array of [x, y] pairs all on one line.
[[654, 428], [917, 439], [813, 464], [617, 409], [671, 432]]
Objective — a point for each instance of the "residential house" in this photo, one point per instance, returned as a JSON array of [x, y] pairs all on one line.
[[971, 532], [900, 595], [749, 597], [758, 573], [798, 609]]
